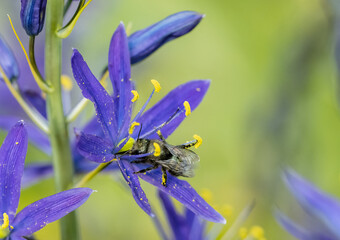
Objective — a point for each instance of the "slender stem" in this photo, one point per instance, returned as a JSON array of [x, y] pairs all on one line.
[[41, 82], [83, 103], [34, 115], [88, 177], [61, 152], [32, 56]]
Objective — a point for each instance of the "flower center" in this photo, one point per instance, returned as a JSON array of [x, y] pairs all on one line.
[[4, 230]]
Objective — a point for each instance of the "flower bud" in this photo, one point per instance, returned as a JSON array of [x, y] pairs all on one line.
[[8, 62], [32, 16], [144, 42]]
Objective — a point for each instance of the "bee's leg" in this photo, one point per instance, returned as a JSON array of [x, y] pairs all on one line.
[[164, 177], [160, 135], [140, 161], [146, 169], [188, 145]]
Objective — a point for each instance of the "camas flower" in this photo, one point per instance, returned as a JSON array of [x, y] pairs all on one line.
[[114, 114], [36, 215], [323, 211], [141, 44], [32, 16], [8, 62]]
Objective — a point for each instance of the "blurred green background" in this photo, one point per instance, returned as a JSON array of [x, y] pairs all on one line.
[[272, 103]]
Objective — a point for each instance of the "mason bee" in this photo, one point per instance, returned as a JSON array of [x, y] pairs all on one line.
[[177, 160]]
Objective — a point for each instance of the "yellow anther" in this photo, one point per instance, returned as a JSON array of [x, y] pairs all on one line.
[[133, 126], [66, 82], [243, 233], [199, 141], [257, 232], [128, 28], [16, 143], [206, 195], [227, 210], [157, 149], [128, 145], [5, 221], [135, 95], [187, 108], [156, 85]]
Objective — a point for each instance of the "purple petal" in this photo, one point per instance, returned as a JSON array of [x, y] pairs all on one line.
[[184, 193], [12, 161], [144, 42], [35, 172], [192, 91], [120, 74], [296, 230], [319, 204], [179, 226], [95, 92], [133, 182], [37, 101], [8, 61], [94, 148], [42, 212], [32, 16], [35, 135]]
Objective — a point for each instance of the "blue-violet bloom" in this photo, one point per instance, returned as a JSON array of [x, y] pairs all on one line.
[[323, 211], [144, 42], [141, 45], [114, 114], [36, 215], [32, 16], [8, 62]]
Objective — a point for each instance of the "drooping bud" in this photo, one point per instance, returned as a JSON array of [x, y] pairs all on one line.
[[32, 16], [8, 62], [144, 42]]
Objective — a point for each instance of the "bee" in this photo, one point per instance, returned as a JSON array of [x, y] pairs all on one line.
[[178, 160]]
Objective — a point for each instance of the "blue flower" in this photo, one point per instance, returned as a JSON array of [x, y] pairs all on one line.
[[38, 214], [323, 220], [114, 115], [32, 16], [8, 62], [183, 226], [147, 41], [144, 42]]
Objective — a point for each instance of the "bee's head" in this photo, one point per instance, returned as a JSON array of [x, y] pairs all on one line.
[[141, 145]]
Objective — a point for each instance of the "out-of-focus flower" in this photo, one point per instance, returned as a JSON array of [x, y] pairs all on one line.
[[323, 211], [32, 16], [38, 214], [8, 62], [144, 42], [114, 115]]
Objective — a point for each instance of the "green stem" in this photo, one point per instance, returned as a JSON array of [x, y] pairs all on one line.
[[61, 152], [88, 177], [32, 56]]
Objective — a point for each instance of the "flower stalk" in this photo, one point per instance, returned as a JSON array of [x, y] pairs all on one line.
[[61, 153]]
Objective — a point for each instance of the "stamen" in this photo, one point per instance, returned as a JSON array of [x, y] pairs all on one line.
[[135, 95], [127, 146], [66, 82], [156, 85], [243, 233], [187, 108], [199, 141], [157, 149], [132, 127], [5, 221]]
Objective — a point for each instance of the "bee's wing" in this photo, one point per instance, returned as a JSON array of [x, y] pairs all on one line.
[[187, 159]]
